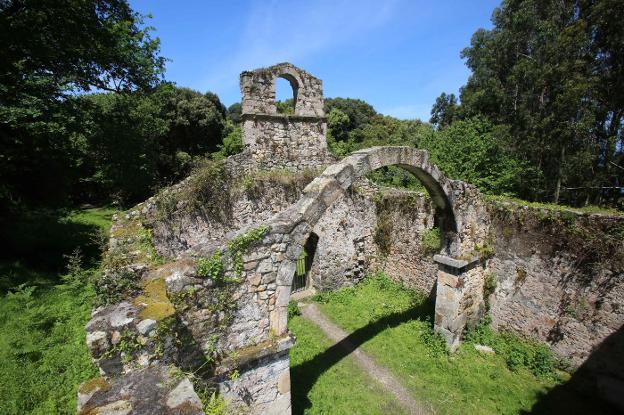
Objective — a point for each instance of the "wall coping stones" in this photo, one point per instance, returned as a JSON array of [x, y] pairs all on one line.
[[247, 357], [283, 117], [152, 390], [457, 266]]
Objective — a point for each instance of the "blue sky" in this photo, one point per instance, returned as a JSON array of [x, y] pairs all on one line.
[[398, 55]]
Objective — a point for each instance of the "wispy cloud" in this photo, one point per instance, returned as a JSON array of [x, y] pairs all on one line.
[[278, 31]]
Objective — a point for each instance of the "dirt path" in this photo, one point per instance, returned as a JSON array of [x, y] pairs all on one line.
[[367, 363]]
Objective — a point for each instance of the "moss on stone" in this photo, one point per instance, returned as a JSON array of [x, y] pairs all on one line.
[[92, 385], [156, 303], [132, 251]]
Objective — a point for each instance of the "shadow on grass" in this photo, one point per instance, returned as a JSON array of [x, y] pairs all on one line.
[[305, 375], [600, 377], [36, 244]]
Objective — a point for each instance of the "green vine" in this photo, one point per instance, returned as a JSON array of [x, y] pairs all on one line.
[[127, 346], [212, 267], [215, 267]]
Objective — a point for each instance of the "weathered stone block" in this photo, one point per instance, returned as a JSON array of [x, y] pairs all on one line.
[[449, 280], [98, 343], [146, 326], [285, 273]]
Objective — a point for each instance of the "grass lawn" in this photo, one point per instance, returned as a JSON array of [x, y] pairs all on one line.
[[325, 383], [43, 355], [392, 323]]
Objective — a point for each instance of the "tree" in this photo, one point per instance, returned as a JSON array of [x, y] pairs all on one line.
[[232, 142], [338, 124], [234, 112], [470, 150], [552, 73], [286, 107], [358, 111], [195, 121], [51, 51], [444, 111], [138, 142]]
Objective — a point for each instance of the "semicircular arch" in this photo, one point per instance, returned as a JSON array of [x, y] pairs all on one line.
[[299, 220]]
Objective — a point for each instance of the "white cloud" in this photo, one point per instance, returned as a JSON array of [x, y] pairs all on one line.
[[279, 31]]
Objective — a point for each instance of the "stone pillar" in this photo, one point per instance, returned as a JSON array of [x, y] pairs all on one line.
[[257, 379], [459, 297]]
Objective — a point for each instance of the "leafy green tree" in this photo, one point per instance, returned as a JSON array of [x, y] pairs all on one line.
[[444, 111], [123, 146], [470, 150], [286, 107], [234, 112], [386, 130], [232, 142], [338, 124], [353, 124], [552, 74], [139, 142], [51, 50], [358, 111], [196, 124]]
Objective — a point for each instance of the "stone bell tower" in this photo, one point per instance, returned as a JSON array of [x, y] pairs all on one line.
[[288, 141]]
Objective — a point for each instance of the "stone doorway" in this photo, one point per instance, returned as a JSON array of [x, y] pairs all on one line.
[[301, 279]]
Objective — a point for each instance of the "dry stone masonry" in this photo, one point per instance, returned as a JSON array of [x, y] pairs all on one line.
[[194, 296]]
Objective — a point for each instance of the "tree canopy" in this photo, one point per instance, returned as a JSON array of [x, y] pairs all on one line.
[[552, 73], [86, 116], [51, 51]]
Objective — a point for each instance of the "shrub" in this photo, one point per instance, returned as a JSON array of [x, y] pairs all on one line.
[[431, 240], [216, 405], [215, 267], [518, 352], [212, 267], [293, 309], [435, 342], [489, 286]]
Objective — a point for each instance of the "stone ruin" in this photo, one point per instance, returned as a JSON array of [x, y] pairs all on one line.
[[196, 292]]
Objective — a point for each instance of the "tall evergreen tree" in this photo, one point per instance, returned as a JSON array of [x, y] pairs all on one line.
[[444, 111], [552, 73]]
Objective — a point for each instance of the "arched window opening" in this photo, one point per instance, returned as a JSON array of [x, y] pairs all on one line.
[[395, 176], [301, 280], [285, 95], [437, 233]]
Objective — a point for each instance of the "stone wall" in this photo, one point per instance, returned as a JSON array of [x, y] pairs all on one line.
[[266, 385], [410, 215], [344, 233], [560, 276], [198, 278], [258, 90], [346, 249], [284, 141], [248, 197], [273, 140]]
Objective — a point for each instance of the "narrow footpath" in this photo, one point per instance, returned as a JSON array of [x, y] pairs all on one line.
[[377, 372]]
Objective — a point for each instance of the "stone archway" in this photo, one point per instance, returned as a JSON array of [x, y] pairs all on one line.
[[449, 197], [459, 283]]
